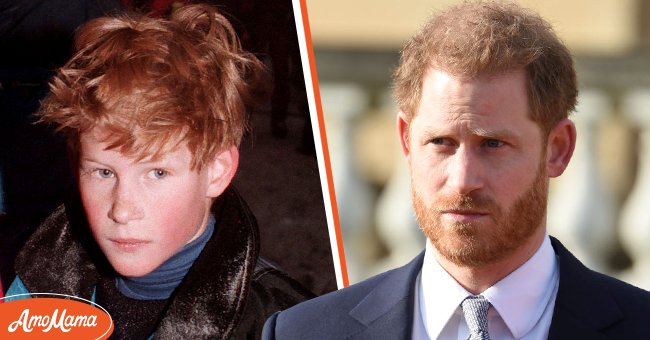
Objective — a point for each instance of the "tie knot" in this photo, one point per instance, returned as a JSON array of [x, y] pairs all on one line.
[[475, 309]]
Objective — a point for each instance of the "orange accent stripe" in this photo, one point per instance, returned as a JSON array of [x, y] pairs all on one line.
[[323, 138]]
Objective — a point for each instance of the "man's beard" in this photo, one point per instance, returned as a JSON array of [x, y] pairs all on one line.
[[475, 244]]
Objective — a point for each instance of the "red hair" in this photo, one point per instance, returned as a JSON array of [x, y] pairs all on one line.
[[485, 38], [152, 83]]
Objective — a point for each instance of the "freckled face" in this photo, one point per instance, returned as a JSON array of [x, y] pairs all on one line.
[[141, 213], [479, 182]]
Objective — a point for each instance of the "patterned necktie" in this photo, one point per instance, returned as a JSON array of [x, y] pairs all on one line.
[[475, 309]]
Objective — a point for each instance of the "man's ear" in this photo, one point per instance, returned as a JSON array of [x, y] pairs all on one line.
[[559, 148], [221, 170], [403, 133]]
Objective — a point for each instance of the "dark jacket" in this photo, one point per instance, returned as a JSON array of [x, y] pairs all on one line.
[[588, 305], [228, 292]]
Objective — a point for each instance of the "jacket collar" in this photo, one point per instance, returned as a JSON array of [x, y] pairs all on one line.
[[209, 301], [582, 307], [581, 310], [387, 311]]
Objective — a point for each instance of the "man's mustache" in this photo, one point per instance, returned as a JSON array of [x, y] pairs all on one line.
[[465, 203]]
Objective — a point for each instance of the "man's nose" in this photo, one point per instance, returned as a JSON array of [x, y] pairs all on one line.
[[125, 207], [465, 171]]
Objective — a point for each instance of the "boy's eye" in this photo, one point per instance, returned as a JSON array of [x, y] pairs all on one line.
[[158, 173], [104, 173]]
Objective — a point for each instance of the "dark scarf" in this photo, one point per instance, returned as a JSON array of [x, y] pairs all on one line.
[[62, 257]]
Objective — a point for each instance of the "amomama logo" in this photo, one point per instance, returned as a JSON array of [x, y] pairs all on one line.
[[53, 316]]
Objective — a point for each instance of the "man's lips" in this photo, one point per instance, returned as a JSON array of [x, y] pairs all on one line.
[[463, 216]]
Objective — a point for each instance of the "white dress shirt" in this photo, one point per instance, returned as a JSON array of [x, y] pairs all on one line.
[[522, 302]]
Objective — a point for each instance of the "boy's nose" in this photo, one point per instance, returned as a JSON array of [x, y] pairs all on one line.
[[125, 208]]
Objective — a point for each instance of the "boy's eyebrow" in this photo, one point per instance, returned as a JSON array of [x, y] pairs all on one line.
[[90, 159], [142, 162], [158, 161]]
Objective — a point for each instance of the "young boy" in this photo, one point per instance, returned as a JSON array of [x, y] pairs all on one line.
[[154, 111]]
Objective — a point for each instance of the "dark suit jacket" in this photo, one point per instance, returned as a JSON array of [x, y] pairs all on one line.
[[589, 305]]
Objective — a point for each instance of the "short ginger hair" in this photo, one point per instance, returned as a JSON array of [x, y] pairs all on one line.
[[485, 38], [151, 83]]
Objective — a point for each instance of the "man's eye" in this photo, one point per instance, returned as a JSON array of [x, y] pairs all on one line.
[[158, 173], [493, 143], [104, 173], [438, 141]]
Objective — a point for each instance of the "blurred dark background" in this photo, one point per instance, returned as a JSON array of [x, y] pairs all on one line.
[[278, 176]]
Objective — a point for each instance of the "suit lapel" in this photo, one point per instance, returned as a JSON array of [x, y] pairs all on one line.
[[582, 308], [387, 311]]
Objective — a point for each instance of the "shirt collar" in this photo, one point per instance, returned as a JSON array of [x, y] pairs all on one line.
[[441, 297], [520, 298]]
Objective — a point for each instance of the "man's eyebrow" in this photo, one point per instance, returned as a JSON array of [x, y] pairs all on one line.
[[496, 134], [434, 132]]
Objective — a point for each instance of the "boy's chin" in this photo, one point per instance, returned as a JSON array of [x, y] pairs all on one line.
[[133, 270]]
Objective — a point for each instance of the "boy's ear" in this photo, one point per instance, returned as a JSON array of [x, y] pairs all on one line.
[[221, 170], [559, 148]]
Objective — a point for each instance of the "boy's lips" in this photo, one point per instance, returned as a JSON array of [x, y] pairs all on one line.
[[129, 244]]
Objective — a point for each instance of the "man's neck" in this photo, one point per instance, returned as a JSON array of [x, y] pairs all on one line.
[[477, 279]]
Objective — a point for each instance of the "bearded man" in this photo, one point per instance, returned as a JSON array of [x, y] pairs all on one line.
[[484, 91]]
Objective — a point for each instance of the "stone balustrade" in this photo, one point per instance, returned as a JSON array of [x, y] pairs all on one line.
[[600, 207]]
